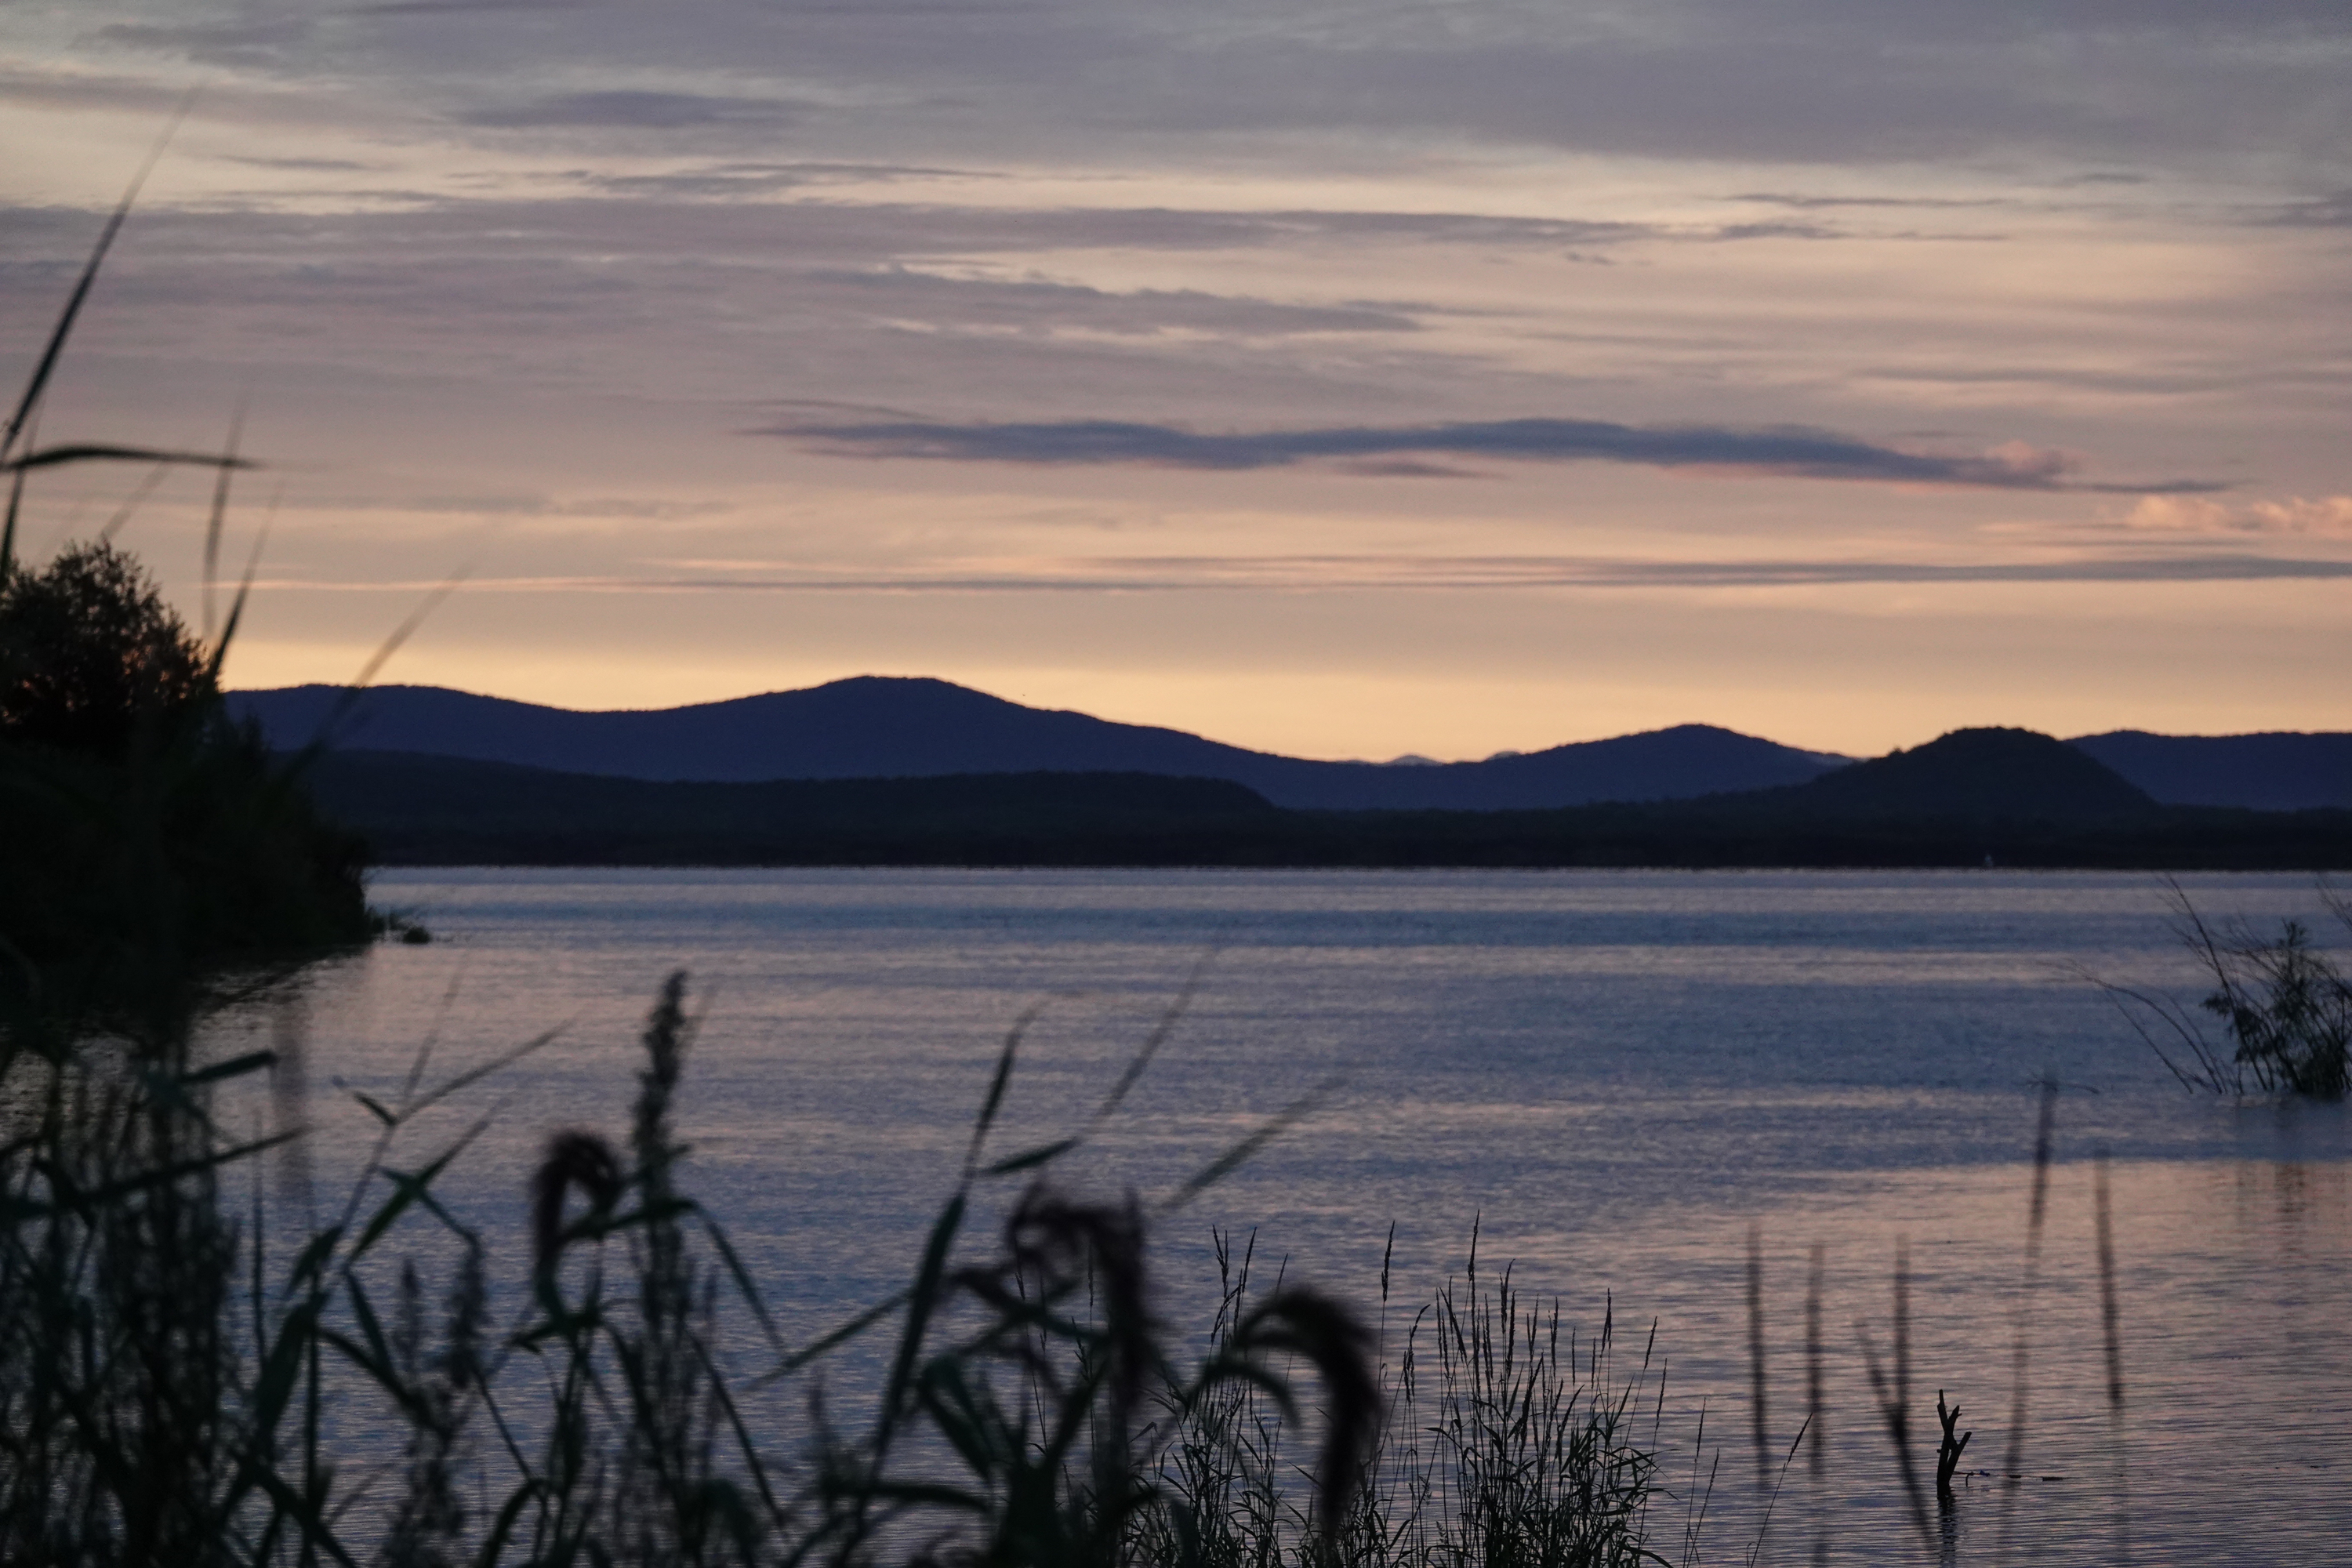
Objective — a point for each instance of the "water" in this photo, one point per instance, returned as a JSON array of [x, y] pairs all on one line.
[[1614, 1075]]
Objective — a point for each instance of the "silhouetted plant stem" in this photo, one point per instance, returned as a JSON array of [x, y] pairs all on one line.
[[2112, 1336], [1816, 1408], [1760, 1425], [1893, 1399], [2037, 1208]]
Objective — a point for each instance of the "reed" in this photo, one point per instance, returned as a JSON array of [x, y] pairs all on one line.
[[2283, 1005], [169, 1392]]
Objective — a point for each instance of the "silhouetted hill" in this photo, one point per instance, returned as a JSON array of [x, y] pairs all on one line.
[[2003, 797], [1679, 763], [1971, 775], [877, 727], [2278, 770], [418, 809]]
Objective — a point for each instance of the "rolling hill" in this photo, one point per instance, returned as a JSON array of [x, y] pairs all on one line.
[[1988, 775], [877, 727], [884, 727]]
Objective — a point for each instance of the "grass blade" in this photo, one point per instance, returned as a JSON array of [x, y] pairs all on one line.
[[48, 364]]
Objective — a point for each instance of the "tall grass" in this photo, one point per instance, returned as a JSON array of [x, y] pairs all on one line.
[[1511, 1439], [181, 1385]]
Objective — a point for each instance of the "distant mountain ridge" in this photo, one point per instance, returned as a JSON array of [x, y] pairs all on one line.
[[2273, 771], [887, 727], [884, 726]]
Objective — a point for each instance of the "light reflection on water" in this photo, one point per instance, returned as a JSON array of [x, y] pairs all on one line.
[[1613, 1074]]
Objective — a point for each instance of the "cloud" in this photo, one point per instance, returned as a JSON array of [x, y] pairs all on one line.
[[223, 43], [1809, 202], [1368, 572], [1799, 83], [636, 509], [1782, 228], [801, 234], [634, 110], [1778, 230], [2329, 516], [305, 166], [1045, 305], [1788, 452], [2096, 83], [79, 90], [463, 8], [1441, 228], [1350, 573], [736, 178], [2322, 212]]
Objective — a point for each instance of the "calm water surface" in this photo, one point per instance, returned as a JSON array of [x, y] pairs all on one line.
[[1614, 1075]]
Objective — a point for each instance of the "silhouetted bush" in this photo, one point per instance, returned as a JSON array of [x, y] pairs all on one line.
[[2288, 1011], [2285, 1006], [152, 847], [90, 656]]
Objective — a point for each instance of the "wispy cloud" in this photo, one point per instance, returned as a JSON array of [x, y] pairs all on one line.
[[1042, 304], [1788, 452], [634, 110], [1808, 202], [1297, 574], [303, 165], [233, 43], [2322, 212], [468, 8], [732, 178]]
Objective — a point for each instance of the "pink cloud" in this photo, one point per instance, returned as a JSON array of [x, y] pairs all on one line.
[[2327, 515]]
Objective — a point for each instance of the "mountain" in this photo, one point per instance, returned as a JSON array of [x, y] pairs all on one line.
[[878, 727], [1991, 776], [2277, 771]]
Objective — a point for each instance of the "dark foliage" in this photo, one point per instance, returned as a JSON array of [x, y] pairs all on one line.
[[150, 847], [2287, 1010], [2284, 1004], [91, 660], [428, 810]]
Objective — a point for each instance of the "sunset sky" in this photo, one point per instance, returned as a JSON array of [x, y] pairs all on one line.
[[1343, 379]]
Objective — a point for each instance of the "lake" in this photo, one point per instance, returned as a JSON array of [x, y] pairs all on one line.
[[1613, 1075]]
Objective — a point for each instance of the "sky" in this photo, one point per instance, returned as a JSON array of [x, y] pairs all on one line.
[[1344, 379]]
